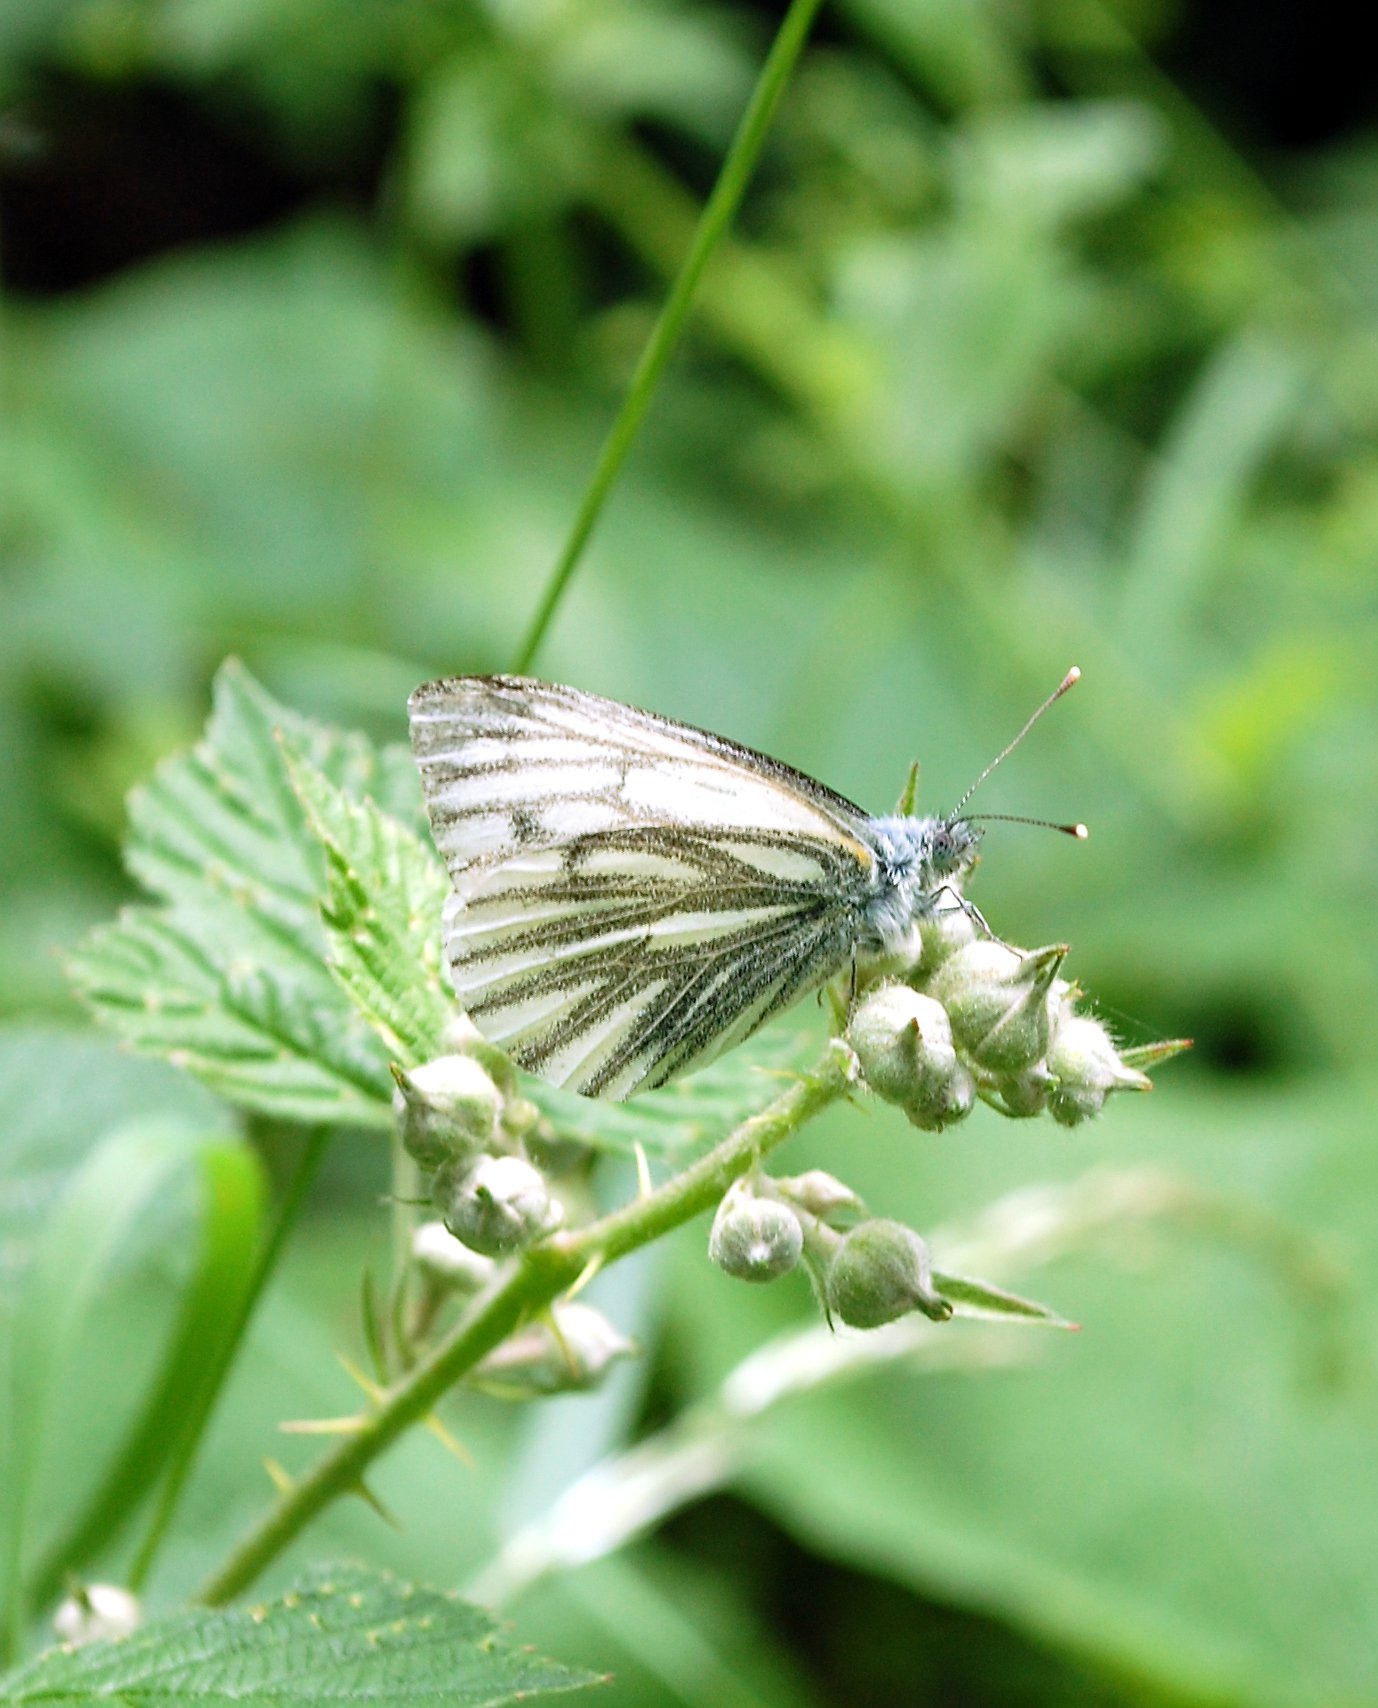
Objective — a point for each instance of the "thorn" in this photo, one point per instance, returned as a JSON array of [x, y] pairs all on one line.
[[448, 1441], [278, 1476], [369, 1386], [323, 1425], [366, 1494], [585, 1275], [644, 1188]]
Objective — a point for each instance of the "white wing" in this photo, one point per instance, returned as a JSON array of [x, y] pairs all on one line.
[[632, 895]]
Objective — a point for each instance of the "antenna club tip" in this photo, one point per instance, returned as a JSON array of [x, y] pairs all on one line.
[[1071, 679], [1080, 832]]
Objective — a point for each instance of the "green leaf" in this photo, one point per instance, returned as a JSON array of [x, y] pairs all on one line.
[[381, 909], [104, 1201], [340, 1634], [61, 1091], [229, 980], [230, 1184], [986, 1302]]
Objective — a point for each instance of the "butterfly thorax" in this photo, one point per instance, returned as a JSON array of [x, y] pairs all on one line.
[[918, 860]]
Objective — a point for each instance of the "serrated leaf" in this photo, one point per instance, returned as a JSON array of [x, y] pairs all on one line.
[[381, 908], [340, 1634], [987, 1302], [229, 980]]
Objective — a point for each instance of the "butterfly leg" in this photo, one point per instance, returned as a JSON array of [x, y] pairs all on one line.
[[973, 913]]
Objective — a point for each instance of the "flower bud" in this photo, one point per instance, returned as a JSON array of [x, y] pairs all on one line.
[[754, 1239], [903, 1040], [1024, 1094], [570, 1357], [97, 1611], [945, 930], [445, 1262], [1086, 1068], [501, 1205], [898, 961], [461, 1037], [446, 1108], [819, 1194], [997, 1001], [880, 1271]]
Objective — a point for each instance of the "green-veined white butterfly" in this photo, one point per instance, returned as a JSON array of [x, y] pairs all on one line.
[[632, 896]]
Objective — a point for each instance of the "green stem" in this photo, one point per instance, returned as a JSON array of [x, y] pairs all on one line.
[[199, 1416], [717, 215], [525, 1288]]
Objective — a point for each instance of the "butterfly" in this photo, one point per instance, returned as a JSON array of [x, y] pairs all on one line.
[[632, 896]]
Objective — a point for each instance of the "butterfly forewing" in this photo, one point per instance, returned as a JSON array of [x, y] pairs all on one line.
[[632, 895]]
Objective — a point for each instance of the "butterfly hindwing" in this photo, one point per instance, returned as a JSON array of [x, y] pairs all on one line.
[[631, 895]]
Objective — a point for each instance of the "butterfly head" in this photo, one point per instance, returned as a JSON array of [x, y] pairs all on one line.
[[951, 847]]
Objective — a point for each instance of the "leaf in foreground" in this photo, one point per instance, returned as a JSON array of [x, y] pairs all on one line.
[[340, 1634], [228, 977]]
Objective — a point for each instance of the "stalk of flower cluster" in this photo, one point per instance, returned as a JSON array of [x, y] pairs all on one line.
[[521, 1289]]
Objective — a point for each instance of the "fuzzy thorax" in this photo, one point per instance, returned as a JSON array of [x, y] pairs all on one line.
[[918, 859]]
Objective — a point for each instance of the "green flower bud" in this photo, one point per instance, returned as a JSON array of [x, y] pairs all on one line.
[[97, 1611], [754, 1239], [903, 1040], [879, 1272], [899, 961], [1087, 1068], [944, 932], [1025, 1094], [446, 1108], [570, 1357], [820, 1194], [997, 1001], [445, 1262], [461, 1037], [520, 1117], [501, 1205]]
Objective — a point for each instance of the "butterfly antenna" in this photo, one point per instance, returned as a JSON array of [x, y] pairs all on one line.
[[1070, 680], [1078, 830]]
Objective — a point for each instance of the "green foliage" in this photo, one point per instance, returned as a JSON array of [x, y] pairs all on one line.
[[1014, 360], [339, 1632], [72, 1265], [229, 979], [382, 899]]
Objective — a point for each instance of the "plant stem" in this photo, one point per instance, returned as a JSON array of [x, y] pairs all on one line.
[[203, 1405], [528, 1286], [717, 215]]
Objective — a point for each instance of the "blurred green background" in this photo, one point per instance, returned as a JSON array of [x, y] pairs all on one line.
[[1049, 334]]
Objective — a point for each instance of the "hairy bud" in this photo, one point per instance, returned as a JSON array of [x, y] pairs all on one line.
[[569, 1352], [903, 1040], [945, 931], [997, 1001], [1086, 1068], [754, 1239], [462, 1038], [501, 1205], [880, 1271], [443, 1260], [820, 1194], [97, 1611], [446, 1108]]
